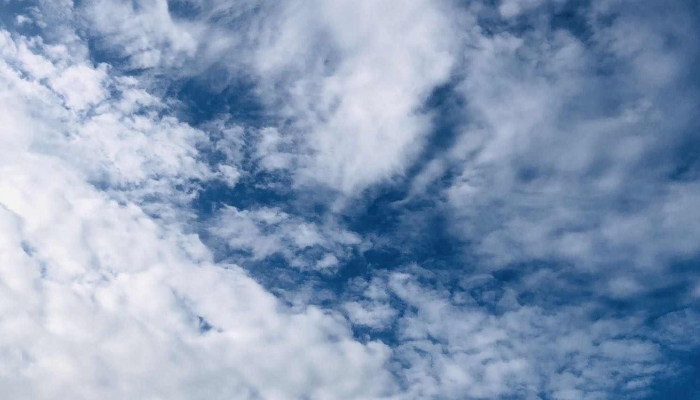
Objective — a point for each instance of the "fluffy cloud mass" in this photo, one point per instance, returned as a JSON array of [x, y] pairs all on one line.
[[349, 200]]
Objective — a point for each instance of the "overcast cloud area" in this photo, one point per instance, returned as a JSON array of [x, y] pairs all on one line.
[[343, 199]]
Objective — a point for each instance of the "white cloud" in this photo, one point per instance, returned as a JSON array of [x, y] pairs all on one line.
[[144, 32], [22, 20], [106, 305], [376, 316], [102, 301], [358, 116], [568, 145], [81, 86], [370, 306], [677, 329], [228, 174], [264, 232], [105, 293], [453, 348], [353, 103], [123, 141], [513, 8], [274, 151]]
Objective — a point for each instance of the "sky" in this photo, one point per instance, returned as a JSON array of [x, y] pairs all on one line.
[[349, 199]]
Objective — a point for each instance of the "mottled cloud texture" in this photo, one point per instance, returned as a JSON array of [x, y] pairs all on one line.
[[220, 199]]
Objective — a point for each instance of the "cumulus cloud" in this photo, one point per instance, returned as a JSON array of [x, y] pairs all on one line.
[[100, 300], [513, 8], [362, 112], [454, 342], [570, 143], [144, 32], [121, 140], [266, 232], [352, 92], [562, 177]]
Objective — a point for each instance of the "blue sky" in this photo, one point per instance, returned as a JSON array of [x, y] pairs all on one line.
[[248, 199]]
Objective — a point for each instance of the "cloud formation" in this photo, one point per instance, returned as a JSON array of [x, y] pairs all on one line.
[[101, 300], [349, 200], [573, 146]]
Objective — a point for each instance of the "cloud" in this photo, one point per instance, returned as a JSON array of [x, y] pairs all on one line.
[[353, 103], [674, 329], [371, 306], [101, 300], [104, 305], [513, 8], [569, 144], [362, 112], [452, 345], [551, 204], [144, 32], [265, 232]]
